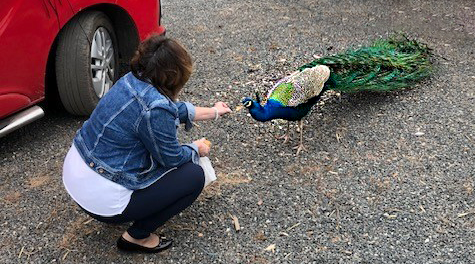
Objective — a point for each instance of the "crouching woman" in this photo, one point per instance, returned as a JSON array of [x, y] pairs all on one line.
[[125, 163]]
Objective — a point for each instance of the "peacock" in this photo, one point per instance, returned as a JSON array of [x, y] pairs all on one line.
[[387, 64]]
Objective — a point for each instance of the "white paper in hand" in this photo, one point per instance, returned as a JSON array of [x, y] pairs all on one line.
[[210, 175]]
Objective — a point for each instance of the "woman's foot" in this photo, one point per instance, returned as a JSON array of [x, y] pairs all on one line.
[[151, 244]]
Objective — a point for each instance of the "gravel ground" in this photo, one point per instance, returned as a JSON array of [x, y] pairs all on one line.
[[386, 179]]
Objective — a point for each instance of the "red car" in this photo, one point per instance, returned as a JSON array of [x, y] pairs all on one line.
[[68, 47]]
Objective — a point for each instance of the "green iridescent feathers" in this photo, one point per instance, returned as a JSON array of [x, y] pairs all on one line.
[[386, 65], [283, 93]]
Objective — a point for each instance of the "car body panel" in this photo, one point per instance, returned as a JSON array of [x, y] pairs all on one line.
[[145, 24], [24, 49], [28, 29], [12, 101]]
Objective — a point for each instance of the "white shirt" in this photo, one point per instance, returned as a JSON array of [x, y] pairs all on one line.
[[90, 190]]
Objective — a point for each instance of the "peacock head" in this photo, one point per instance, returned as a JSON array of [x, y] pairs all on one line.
[[248, 103], [255, 108]]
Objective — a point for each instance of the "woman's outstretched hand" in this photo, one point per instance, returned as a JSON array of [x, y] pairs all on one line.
[[210, 113], [223, 108], [203, 147]]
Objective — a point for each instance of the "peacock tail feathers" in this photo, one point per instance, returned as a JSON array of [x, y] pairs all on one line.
[[388, 64]]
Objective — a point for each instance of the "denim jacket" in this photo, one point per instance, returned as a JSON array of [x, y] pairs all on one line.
[[131, 136]]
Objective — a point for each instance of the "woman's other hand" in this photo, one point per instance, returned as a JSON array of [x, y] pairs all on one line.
[[203, 148], [223, 108]]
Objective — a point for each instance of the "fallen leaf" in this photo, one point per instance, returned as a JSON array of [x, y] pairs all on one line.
[[237, 227], [88, 221], [270, 248], [292, 227], [390, 216], [65, 255], [422, 208], [465, 214], [21, 251]]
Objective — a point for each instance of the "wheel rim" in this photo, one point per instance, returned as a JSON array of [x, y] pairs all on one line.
[[102, 61]]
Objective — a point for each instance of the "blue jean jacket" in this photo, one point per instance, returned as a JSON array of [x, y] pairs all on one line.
[[131, 137]]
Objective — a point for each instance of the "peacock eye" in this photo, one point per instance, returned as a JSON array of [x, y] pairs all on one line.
[[248, 104]]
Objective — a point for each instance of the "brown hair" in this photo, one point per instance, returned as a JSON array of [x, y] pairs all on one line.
[[164, 63]]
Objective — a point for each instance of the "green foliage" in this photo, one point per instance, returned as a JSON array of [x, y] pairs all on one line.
[[387, 64]]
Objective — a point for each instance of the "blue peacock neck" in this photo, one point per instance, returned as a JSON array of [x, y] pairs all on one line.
[[271, 110], [259, 112]]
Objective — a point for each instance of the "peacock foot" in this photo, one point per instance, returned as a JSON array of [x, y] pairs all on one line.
[[299, 148], [286, 138]]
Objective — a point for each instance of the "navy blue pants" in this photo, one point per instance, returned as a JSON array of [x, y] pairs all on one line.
[[151, 207]]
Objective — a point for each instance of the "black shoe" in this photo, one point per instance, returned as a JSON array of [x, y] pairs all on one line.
[[125, 245]]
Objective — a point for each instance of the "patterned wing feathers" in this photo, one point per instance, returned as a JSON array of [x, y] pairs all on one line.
[[300, 86]]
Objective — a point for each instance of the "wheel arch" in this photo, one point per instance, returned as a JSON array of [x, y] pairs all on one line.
[[127, 38]]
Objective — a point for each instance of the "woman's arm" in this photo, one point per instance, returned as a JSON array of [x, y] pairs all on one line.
[[157, 131], [207, 113]]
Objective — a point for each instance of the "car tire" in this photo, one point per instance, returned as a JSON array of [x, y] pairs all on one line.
[[86, 61]]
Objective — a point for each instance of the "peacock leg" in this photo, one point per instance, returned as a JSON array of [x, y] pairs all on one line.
[[285, 136], [300, 147]]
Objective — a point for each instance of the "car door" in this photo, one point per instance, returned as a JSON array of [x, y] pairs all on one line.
[[27, 31]]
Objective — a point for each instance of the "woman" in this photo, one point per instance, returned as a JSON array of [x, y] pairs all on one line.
[[126, 164]]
